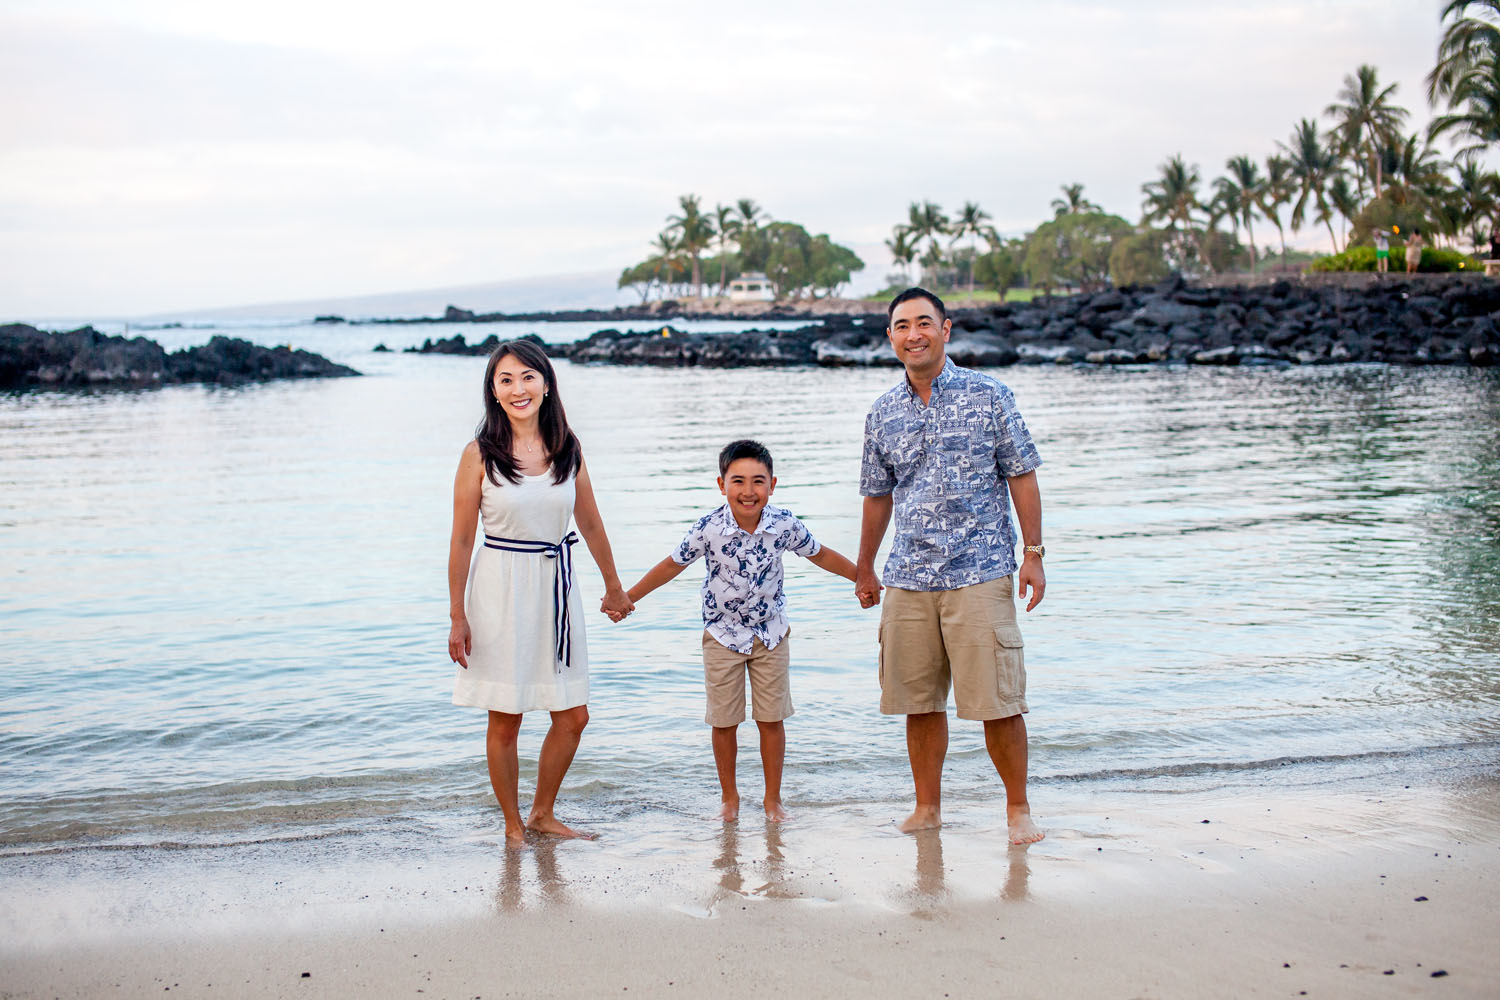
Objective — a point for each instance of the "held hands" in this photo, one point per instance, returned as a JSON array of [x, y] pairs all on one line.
[[616, 603], [866, 587], [460, 642]]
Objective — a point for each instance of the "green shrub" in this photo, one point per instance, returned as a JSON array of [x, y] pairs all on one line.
[[1434, 260]]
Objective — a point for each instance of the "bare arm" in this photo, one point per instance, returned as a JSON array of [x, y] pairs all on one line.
[[591, 527], [876, 518], [467, 486], [663, 572], [833, 563], [1027, 496]]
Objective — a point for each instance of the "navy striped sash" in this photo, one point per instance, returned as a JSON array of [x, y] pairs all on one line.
[[562, 585]]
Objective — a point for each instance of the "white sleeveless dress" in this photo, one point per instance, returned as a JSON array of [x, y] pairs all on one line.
[[514, 666]]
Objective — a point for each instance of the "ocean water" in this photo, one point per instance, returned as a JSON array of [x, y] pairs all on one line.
[[223, 610]]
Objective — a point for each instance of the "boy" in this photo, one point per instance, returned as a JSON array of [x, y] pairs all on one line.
[[744, 612]]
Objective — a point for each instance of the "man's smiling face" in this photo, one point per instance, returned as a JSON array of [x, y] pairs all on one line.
[[919, 335]]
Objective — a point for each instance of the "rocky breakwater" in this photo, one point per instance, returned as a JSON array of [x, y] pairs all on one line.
[[86, 358]]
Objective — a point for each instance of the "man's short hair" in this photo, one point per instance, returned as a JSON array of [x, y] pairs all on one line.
[[916, 293], [744, 448]]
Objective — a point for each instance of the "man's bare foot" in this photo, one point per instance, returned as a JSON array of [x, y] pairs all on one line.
[[550, 826], [1023, 830], [515, 837], [774, 812], [924, 818], [730, 811]]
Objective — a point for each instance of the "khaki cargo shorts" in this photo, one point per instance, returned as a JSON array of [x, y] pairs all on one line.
[[965, 637], [724, 673]]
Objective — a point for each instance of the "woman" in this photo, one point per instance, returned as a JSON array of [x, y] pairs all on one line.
[[518, 638]]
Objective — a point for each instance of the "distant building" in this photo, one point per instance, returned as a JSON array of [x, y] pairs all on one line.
[[751, 287]]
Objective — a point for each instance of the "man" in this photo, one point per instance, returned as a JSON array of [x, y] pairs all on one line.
[[945, 451]]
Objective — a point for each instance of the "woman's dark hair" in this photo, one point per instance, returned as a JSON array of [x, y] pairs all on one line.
[[493, 433]]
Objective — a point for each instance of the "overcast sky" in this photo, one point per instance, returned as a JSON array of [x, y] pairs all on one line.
[[175, 154]]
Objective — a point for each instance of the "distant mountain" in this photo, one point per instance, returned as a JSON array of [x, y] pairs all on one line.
[[594, 289]]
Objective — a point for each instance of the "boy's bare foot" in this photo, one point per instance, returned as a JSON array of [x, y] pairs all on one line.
[[730, 811], [923, 818], [774, 812], [550, 826], [1023, 830]]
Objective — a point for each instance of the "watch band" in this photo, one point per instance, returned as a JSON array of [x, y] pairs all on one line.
[[1040, 550]]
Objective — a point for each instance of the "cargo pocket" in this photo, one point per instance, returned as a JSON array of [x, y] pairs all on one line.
[[880, 657], [1010, 663]]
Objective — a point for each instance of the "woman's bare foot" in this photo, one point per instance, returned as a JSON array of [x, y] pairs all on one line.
[[731, 810], [550, 826], [1023, 830], [774, 812], [923, 818]]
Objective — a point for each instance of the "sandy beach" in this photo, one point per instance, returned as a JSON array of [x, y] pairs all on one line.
[[1348, 889]]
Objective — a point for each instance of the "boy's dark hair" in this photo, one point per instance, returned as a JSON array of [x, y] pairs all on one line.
[[744, 448], [916, 293]]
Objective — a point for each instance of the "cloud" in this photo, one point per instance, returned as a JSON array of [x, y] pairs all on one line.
[[169, 154]]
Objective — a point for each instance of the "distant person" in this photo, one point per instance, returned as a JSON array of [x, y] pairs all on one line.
[[745, 629], [1414, 251], [1495, 243], [946, 451], [1382, 250], [517, 630]]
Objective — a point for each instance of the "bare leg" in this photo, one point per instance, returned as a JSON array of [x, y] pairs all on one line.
[[557, 756], [1005, 739], [772, 756], [500, 753], [926, 746], [726, 748]]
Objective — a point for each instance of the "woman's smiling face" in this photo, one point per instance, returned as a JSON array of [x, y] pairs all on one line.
[[519, 389]]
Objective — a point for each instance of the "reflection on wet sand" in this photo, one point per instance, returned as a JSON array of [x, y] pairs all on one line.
[[550, 888]]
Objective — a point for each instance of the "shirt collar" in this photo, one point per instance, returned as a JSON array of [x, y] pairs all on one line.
[[942, 381], [771, 522]]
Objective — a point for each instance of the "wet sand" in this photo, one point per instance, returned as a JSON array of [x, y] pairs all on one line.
[[1348, 890]]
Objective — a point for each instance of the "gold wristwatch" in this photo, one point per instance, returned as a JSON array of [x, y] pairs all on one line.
[[1040, 550]]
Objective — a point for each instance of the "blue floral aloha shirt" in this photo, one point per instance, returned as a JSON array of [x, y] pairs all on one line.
[[947, 462], [742, 596]]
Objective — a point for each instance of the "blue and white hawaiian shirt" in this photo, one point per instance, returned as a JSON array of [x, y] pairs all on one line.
[[742, 597], [947, 462]]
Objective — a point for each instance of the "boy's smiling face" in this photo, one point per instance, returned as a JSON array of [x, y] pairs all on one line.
[[747, 484]]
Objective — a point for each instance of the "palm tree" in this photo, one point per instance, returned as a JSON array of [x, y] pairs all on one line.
[[1277, 193], [1476, 95], [1072, 201], [666, 265], [1466, 42], [724, 227], [1478, 194], [926, 221], [970, 222], [1313, 167], [902, 250], [1346, 201], [1244, 187], [1366, 119], [694, 231], [1174, 197], [1418, 174]]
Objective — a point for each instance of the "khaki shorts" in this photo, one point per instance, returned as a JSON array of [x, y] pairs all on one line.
[[724, 673], [966, 637]]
